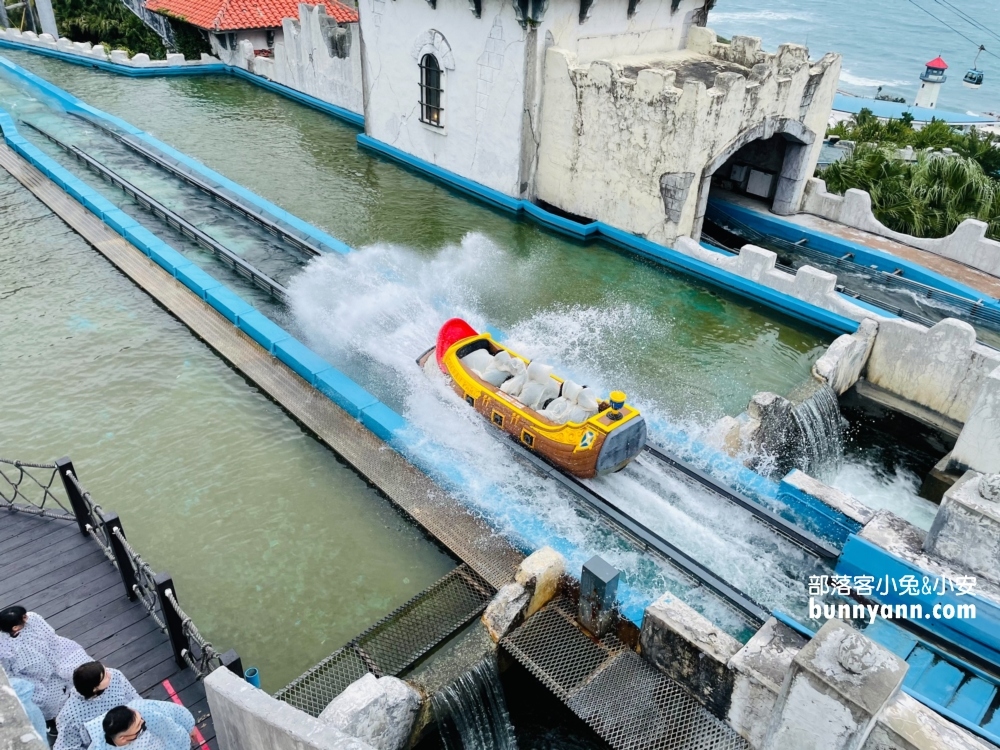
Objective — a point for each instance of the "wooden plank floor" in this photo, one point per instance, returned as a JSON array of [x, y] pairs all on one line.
[[47, 566]]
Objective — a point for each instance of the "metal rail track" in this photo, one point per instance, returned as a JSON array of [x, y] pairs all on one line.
[[645, 537], [226, 255], [257, 217], [787, 529]]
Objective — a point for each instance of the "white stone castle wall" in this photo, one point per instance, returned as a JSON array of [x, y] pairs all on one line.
[[492, 74], [607, 139], [967, 244]]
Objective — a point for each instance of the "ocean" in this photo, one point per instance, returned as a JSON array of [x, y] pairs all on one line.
[[884, 42]]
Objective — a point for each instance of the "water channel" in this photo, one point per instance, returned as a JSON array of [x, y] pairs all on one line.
[[687, 354], [276, 547]]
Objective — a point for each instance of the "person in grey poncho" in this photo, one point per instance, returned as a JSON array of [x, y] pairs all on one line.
[[31, 650], [143, 725], [97, 689]]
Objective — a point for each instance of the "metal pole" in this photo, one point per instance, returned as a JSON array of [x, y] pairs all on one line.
[[80, 508], [46, 17], [175, 626], [125, 567]]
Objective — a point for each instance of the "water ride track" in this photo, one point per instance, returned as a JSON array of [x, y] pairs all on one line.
[[786, 528], [227, 256], [270, 225], [646, 538]]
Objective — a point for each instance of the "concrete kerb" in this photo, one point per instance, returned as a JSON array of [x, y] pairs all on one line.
[[701, 270], [75, 105], [781, 303], [837, 247]]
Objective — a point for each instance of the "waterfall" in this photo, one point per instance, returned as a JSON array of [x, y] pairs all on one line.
[[471, 713], [818, 423]]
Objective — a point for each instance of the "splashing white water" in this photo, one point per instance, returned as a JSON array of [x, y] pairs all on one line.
[[373, 312], [897, 492]]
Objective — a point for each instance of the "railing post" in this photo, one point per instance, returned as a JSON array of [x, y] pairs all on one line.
[[112, 523], [232, 661], [175, 626], [64, 466]]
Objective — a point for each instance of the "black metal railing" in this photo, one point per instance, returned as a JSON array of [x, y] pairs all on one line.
[[29, 488]]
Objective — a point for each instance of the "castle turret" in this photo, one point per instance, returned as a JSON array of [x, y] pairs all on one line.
[[930, 83]]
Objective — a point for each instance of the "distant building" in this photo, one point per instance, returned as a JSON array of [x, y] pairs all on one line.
[[257, 22], [845, 107], [931, 81]]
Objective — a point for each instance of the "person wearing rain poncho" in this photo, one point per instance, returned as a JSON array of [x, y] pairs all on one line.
[[143, 725], [97, 689], [31, 650]]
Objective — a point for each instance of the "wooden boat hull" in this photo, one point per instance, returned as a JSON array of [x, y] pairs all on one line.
[[600, 445]]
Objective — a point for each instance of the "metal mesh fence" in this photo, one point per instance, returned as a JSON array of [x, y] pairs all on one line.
[[396, 642], [626, 701]]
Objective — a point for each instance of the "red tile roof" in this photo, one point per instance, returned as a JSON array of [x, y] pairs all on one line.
[[228, 15], [938, 63]]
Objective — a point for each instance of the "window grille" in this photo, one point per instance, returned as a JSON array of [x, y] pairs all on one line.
[[431, 111]]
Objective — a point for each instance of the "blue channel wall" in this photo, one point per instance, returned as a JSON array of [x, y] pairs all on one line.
[[335, 385], [782, 303], [72, 104], [813, 515], [837, 247], [823, 520], [980, 636]]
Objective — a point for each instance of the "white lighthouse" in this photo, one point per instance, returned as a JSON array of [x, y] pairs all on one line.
[[930, 83]]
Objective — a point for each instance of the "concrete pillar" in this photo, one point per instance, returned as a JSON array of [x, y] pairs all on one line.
[[759, 670], [837, 686], [792, 180], [977, 444], [598, 588], [683, 644], [966, 529], [46, 17], [247, 718]]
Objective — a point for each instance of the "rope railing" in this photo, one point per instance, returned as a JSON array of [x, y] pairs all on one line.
[[21, 483], [154, 591]]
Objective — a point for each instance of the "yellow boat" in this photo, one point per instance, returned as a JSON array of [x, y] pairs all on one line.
[[562, 422]]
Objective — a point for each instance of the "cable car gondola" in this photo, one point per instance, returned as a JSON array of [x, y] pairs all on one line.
[[973, 78]]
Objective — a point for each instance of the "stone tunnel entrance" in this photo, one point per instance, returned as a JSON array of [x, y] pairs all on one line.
[[768, 163]]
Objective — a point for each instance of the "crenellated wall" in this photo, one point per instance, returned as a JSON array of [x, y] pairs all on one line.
[[968, 244], [634, 141], [314, 55]]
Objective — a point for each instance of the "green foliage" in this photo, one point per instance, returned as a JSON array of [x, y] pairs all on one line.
[[191, 41], [926, 198], [109, 21], [984, 148]]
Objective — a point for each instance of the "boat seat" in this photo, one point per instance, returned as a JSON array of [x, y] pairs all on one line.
[[478, 361], [562, 407], [540, 388]]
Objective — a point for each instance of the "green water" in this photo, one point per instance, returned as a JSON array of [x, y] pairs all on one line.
[[276, 548], [683, 348]]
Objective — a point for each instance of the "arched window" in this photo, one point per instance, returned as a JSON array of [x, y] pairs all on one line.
[[431, 110]]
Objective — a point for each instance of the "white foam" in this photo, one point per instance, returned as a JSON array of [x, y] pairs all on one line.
[[897, 492], [851, 79], [771, 16]]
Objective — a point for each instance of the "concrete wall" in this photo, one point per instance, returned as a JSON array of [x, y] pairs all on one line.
[[978, 445], [624, 142], [492, 73], [16, 730], [941, 368], [757, 264], [306, 57], [247, 718], [256, 38], [906, 724], [967, 244], [844, 361], [90, 52]]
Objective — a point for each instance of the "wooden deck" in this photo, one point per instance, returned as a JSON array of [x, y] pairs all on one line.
[[47, 566]]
